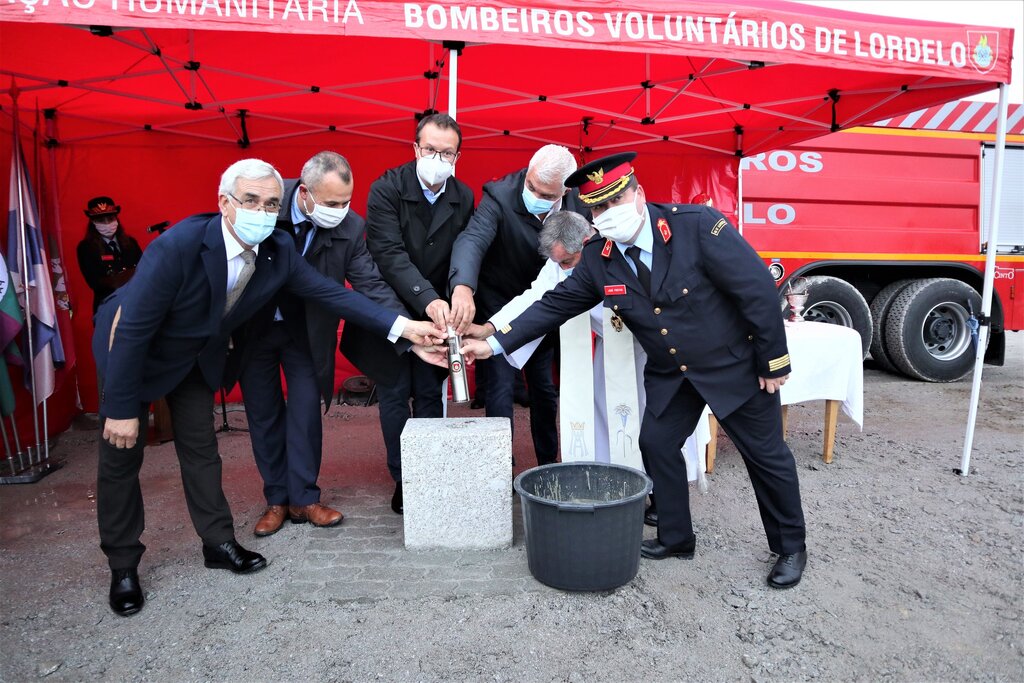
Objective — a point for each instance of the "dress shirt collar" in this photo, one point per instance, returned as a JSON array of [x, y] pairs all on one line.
[[428, 193], [298, 215], [231, 245], [645, 240]]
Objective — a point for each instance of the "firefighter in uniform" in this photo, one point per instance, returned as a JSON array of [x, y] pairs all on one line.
[[700, 301]]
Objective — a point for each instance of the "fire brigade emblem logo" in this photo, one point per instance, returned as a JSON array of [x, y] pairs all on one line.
[[596, 177], [984, 49], [456, 366]]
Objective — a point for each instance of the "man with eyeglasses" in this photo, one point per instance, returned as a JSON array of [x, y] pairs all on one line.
[[495, 260], [167, 333], [413, 215], [301, 339]]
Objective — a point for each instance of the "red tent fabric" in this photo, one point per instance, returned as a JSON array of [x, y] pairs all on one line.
[[148, 100]]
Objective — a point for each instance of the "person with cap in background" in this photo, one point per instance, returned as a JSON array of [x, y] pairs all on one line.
[[107, 255], [702, 304]]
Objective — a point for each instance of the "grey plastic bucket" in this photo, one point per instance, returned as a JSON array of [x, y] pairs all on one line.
[[584, 522]]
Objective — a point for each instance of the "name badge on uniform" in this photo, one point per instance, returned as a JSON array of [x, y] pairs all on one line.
[[614, 290], [107, 257]]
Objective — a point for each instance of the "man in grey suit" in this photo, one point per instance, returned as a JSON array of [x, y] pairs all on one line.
[[414, 213], [496, 259]]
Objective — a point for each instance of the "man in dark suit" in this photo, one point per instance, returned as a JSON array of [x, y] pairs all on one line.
[[167, 333], [700, 301], [301, 339], [413, 215], [495, 260]]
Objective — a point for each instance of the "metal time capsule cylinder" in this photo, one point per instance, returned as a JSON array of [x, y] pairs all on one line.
[[457, 377]]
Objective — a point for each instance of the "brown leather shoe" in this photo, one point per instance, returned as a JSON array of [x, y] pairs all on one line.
[[316, 514], [271, 520]]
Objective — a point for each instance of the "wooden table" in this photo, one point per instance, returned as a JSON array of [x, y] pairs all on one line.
[[827, 364]]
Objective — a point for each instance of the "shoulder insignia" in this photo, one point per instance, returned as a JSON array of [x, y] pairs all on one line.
[[607, 251], [718, 226], [508, 328], [778, 363], [666, 232]]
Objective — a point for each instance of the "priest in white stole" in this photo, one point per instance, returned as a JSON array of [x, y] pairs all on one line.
[[600, 364]]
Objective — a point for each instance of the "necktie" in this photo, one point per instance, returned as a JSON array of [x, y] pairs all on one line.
[[244, 275], [643, 273], [114, 247], [301, 230]]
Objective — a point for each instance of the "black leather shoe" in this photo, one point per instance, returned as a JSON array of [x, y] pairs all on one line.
[[477, 404], [230, 555], [788, 570], [654, 550], [125, 592], [396, 499]]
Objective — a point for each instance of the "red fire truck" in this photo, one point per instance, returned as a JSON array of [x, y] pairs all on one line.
[[888, 224]]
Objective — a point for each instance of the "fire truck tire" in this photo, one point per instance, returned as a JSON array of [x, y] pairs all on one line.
[[831, 300], [927, 332], [880, 306]]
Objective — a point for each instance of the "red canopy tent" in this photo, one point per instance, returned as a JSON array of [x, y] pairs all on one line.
[[148, 100]]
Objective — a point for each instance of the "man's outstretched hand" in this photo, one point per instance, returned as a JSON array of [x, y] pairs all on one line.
[[435, 355], [476, 349], [424, 332]]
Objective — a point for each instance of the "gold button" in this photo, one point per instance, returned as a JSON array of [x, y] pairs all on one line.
[[657, 311], [750, 337], [615, 307], [664, 332], [685, 291], [682, 368], [672, 351]]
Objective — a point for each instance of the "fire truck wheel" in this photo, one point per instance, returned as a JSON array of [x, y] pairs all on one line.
[[927, 332], [831, 300], [880, 306]]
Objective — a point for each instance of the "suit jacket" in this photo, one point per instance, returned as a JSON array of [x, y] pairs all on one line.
[[497, 254], [410, 240], [338, 253], [713, 316], [170, 316], [103, 270]]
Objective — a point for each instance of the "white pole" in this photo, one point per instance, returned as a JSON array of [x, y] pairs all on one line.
[[992, 242], [453, 84]]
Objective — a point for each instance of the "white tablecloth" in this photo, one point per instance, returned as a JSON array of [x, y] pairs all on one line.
[[826, 363]]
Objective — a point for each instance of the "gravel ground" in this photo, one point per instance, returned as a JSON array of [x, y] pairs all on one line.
[[915, 574]]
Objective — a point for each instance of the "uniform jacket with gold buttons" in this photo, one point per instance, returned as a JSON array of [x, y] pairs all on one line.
[[713, 318]]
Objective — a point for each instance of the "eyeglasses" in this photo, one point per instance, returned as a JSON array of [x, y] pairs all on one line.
[[427, 151], [273, 206]]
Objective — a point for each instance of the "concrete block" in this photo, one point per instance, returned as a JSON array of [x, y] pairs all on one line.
[[457, 483]]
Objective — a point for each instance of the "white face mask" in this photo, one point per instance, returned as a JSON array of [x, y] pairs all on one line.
[[326, 216], [106, 229], [252, 227], [620, 223], [433, 170]]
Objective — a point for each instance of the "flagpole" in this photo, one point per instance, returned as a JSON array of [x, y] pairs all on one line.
[[23, 246], [7, 449]]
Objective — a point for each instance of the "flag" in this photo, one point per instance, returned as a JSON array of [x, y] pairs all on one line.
[[32, 285], [11, 323]]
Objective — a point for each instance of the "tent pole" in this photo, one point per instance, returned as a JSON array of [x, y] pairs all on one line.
[[992, 243], [453, 84]]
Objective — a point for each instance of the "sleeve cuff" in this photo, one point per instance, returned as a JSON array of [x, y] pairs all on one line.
[[495, 345], [397, 328]]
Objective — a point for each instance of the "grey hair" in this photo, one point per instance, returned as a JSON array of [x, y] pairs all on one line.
[[322, 163], [553, 163], [249, 169], [567, 228]]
